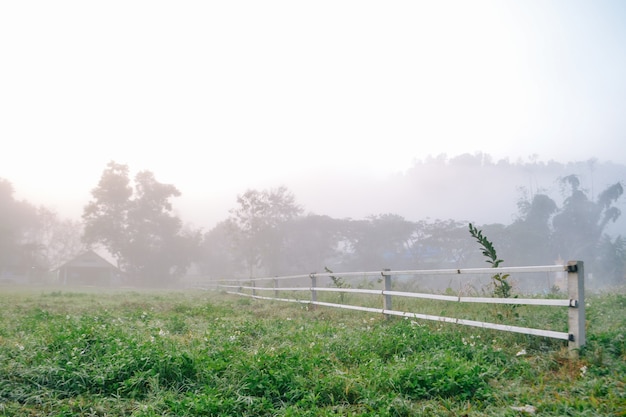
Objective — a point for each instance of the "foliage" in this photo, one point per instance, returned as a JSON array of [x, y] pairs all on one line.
[[20, 254], [440, 244], [502, 287], [580, 223], [309, 242], [611, 261], [218, 256], [33, 240], [137, 225], [257, 223], [338, 282], [531, 234], [58, 240], [379, 241], [199, 354]]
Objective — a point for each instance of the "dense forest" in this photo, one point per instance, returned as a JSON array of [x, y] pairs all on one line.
[[555, 212]]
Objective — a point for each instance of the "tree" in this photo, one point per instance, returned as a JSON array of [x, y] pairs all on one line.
[[218, 252], [106, 217], [441, 244], [310, 243], [57, 240], [257, 223], [380, 241], [580, 223], [532, 232], [137, 225], [611, 260], [19, 256]]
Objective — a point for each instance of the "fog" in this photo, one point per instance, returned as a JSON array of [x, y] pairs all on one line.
[[424, 110], [535, 213], [437, 187]]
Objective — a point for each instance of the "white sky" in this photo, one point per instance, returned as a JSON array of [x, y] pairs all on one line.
[[220, 96]]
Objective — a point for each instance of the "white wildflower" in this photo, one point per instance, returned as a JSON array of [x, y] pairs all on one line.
[[521, 352], [162, 332], [467, 342], [19, 346], [583, 370], [525, 409]]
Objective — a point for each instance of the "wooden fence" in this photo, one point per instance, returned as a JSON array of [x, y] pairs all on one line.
[[575, 303]]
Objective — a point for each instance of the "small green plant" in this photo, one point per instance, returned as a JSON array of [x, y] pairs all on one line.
[[339, 283], [502, 287]]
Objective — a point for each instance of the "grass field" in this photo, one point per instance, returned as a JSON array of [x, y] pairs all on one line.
[[194, 353]]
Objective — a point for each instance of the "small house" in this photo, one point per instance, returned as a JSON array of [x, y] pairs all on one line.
[[89, 268]]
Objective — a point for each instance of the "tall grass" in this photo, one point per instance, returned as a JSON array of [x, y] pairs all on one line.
[[66, 353]]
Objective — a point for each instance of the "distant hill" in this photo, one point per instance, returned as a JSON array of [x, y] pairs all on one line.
[[465, 187]]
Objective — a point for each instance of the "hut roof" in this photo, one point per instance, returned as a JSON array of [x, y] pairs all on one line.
[[88, 259]]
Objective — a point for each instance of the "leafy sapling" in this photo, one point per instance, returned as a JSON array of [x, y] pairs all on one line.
[[502, 286], [339, 283]]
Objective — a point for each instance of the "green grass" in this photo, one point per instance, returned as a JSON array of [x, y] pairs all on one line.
[[194, 353]]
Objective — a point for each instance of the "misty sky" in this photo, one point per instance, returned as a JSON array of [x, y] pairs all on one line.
[[218, 97]]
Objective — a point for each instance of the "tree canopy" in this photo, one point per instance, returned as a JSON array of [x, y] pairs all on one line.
[[267, 233], [257, 222], [135, 223]]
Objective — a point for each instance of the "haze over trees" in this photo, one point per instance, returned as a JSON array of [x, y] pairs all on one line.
[[33, 240], [137, 227], [256, 225], [562, 212]]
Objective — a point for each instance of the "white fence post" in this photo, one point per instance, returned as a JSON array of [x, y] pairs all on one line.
[[576, 312], [313, 292], [387, 297]]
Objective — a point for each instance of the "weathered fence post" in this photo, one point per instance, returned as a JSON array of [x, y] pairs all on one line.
[[313, 292], [275, 288], [387, 287], [576, 312], [253, 284]]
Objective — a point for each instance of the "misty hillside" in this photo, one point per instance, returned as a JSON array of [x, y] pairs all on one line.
[[535, 213], [465, 187]]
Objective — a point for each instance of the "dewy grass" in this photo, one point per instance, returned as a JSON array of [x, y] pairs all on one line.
[[207, 354]]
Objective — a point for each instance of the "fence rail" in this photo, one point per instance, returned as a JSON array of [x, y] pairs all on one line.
[[575, 302]]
